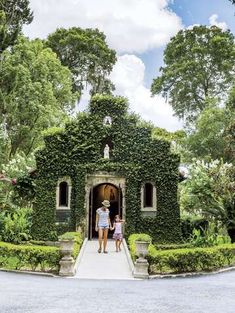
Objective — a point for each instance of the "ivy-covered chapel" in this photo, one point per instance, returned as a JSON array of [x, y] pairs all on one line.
[[106, 154]]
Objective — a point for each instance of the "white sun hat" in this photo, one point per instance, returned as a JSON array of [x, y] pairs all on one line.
[[106, 203]]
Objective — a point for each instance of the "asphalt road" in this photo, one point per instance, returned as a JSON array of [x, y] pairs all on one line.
[[21, 293]]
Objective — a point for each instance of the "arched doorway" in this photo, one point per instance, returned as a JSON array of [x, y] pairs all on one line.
[[105, 191]]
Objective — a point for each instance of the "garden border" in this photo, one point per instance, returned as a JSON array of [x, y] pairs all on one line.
[[28, 272], [80, 254], [193, 274], [128, 255], [151, 277]]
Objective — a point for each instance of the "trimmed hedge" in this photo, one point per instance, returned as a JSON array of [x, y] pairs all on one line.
[[173, 246], [40, 258], [186, 260], [37, 257], [191, 260]]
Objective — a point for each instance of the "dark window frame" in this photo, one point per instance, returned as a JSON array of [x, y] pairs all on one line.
[[148, 195], [63, 194]]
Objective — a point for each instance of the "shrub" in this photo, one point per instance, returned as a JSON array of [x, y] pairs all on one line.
[[173, 246], [39, 258], [189, 223], [207, 239], [190, 260], [185, 259], [25, 188], [16, 225], [37, 242], [1, 223]]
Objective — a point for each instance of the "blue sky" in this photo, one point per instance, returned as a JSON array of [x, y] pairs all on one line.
[[139, 31], [191, 12], [199, 11]]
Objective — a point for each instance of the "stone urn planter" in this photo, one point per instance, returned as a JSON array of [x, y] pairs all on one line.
[[142, 248], [141, 264], [67, 261]]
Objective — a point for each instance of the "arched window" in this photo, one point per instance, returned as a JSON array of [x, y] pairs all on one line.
[[63, 194], [148, 195]]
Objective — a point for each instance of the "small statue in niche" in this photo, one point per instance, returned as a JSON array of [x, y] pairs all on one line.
[[106, 151], [107, 121]]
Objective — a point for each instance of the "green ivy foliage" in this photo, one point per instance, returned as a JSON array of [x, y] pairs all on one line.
[[135, 155]]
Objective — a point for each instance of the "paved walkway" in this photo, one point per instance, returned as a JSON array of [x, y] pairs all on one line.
[[94, 265]]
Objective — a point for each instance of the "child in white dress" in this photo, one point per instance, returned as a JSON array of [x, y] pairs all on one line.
[[118, 236]]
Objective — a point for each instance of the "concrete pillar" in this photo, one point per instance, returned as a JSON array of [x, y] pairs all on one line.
[[67, 262]]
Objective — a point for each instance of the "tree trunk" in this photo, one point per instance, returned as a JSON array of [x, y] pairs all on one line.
[[231, 233]]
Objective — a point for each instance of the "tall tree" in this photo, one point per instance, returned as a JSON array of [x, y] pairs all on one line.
[[35, 93], [229, 133], [13, 15], [199, 65], [207, 140], [87, 55]]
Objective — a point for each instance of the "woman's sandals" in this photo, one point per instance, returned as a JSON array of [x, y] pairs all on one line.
[[99, 251]]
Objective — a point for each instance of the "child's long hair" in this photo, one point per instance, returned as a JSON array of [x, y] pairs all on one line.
[[117, 216]]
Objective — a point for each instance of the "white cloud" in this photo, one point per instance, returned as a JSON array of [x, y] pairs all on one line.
[[130, 25], [128, 77], [213, 20]]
